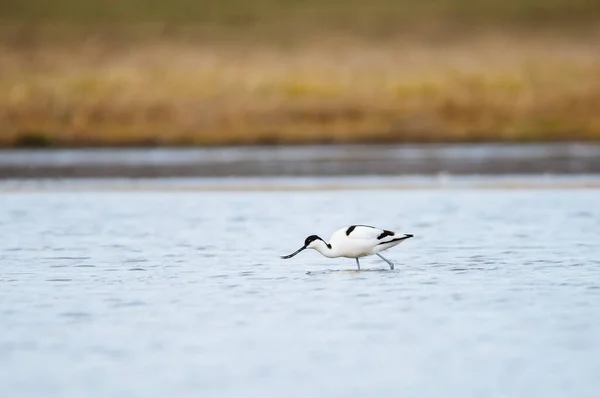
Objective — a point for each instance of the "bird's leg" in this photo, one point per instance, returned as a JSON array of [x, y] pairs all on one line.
[[386, 260], [358, 264]]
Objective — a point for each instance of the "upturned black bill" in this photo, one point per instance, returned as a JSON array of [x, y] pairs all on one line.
[[294, 253]]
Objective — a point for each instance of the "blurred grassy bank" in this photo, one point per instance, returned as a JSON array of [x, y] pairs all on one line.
[[142, 72]]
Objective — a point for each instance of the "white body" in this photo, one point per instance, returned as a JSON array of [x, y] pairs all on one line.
[[361, 242]]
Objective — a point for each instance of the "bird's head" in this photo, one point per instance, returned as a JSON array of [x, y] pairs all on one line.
[[309, 243]]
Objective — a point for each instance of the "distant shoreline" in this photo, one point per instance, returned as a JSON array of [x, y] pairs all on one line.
[[301, 184]]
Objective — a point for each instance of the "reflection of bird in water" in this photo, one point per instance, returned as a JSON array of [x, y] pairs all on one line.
[[354, 242]]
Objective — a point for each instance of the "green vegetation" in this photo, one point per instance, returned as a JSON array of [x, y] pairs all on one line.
[[183, 72], [243, 12]]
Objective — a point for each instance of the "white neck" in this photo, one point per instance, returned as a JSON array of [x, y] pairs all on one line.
[[324, 249]]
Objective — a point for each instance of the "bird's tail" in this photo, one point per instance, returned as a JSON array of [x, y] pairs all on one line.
[[406, 236]]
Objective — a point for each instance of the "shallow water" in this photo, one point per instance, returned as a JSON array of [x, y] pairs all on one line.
[[154, 294], [346, 160]]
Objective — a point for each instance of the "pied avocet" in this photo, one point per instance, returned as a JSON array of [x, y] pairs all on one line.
[[355, 242]]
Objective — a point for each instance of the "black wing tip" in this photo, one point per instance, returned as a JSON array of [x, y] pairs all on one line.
[[406, 236], [385, 233]]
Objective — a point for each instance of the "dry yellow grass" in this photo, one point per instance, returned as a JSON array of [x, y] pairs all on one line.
[[169, 92]]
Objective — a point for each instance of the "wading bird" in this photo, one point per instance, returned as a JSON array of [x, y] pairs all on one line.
[[355, 242]]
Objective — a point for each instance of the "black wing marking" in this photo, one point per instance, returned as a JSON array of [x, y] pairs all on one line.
[[384, 234], [406, 236], [352, 227]]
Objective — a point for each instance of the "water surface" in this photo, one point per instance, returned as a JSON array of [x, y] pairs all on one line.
[[174, 293]]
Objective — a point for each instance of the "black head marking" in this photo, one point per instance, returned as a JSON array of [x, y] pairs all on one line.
[[311, 239]]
